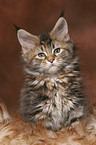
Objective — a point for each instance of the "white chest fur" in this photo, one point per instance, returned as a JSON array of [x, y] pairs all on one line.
[[57, 106]]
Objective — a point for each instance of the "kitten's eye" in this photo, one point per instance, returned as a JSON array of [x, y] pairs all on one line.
[[42, 55], [57, 50]]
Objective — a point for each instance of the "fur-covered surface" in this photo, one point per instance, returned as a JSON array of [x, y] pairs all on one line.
[[13, 131]]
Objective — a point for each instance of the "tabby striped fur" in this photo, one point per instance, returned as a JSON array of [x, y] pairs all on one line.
[[53, 90]]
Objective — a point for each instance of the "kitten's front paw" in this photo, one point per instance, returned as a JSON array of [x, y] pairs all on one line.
[[51, 125]]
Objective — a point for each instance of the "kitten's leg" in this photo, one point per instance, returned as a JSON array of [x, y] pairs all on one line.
[[74, 115], [49, 124]]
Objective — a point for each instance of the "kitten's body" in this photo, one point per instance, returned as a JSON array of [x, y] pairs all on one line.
[[53, 86]]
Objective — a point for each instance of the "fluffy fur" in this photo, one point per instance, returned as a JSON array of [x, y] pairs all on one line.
[[52, 90], [13, 131]]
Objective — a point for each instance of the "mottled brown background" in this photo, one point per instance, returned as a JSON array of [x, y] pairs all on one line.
[[40, 15]]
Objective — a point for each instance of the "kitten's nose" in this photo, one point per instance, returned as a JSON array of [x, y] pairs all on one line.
[[51, 59]]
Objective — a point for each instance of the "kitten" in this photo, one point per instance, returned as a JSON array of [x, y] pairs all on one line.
[[53, 84]]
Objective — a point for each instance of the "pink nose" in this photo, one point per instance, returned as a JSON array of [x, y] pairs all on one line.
[[51, 59]]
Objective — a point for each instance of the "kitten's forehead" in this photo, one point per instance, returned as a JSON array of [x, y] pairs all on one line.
[[45, 39]]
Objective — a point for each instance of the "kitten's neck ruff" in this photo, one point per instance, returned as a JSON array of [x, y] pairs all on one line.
[[37, 80]]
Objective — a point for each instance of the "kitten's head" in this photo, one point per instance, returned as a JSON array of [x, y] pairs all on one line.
[[47, 52]]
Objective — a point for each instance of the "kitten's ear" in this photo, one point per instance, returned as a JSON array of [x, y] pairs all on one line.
[[27, 40], [60, 30]]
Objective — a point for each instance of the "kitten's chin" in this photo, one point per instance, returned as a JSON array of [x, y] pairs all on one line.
[[52, 70]]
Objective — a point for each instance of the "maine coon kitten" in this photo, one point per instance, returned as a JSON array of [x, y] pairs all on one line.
[[53, 85]]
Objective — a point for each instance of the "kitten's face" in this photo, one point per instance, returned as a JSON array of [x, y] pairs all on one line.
[[49, 57], [48, 52]]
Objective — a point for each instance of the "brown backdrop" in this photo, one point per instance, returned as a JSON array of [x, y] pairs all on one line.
[[40, 15]]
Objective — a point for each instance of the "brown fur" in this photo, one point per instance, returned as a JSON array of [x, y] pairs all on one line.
[[16, 132]]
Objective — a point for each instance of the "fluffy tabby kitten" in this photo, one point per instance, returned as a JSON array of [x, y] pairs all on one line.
[[52, 90]]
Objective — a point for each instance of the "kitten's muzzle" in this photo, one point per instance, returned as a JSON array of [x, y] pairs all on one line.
[[50, 59]]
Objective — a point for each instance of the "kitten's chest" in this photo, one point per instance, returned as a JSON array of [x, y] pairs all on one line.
[[58, 103], [56, 86], [56, 92]]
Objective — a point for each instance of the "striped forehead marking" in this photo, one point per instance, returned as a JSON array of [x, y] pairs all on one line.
[[45, 38], [42, 48], [46, 42], [47, 48]]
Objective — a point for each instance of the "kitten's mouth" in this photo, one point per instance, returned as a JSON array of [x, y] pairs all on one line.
[[52, 69]]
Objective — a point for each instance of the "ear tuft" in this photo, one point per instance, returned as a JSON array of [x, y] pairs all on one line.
[[61, 14], [16, 27]]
